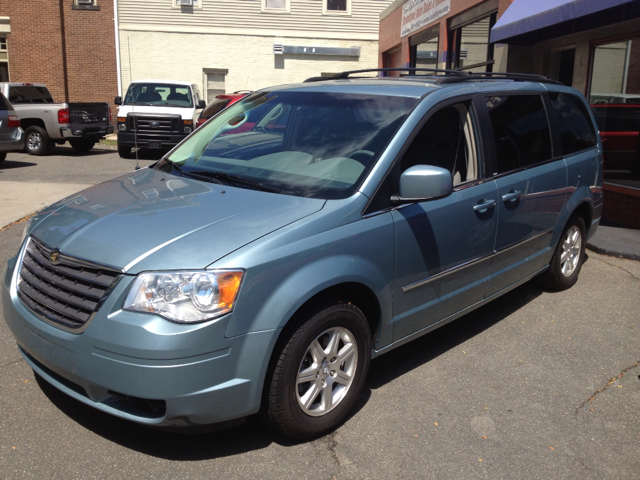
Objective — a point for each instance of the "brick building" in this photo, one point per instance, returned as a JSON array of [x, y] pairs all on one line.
[[69, 45]]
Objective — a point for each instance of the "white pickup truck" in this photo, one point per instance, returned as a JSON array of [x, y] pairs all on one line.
[[45, 122], [156, 114]]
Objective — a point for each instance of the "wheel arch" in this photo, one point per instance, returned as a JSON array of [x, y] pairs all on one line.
[[30, 122]]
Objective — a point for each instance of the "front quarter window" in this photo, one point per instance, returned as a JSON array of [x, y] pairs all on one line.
[[312, 144]]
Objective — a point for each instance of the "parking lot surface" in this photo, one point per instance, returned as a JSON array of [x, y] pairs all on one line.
[[537, 384]]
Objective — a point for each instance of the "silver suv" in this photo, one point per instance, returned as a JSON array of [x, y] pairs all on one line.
[[11, 135]]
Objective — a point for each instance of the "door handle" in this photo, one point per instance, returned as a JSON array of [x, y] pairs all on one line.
[[484, 206], [512, 196]]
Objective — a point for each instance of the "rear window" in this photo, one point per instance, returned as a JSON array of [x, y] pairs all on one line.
[[214, 107], [29, 94], [617, 118], [3, 103], [574, 125]]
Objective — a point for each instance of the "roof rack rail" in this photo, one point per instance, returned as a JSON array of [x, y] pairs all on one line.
[[522, 77], [450, 76], [343, 75]]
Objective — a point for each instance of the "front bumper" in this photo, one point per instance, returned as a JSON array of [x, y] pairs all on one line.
[[147, 140], [141, 367], [15, 143]]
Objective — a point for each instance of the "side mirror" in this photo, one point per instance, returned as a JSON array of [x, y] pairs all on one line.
[[201, 104], [118, 101], [423, 182]]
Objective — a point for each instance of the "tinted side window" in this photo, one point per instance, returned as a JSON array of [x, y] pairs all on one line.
[[214, 107], [520, 131], [3, 103], [574, 125], [617, 118]]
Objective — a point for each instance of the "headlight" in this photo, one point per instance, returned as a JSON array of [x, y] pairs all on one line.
[[185, 297]]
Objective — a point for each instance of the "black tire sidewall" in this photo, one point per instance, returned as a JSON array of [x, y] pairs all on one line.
[[299, 424], [124, 152], [3, 156], [82, 145]]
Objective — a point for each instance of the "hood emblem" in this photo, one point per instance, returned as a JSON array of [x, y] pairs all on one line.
[[154, 124], [54, 256]]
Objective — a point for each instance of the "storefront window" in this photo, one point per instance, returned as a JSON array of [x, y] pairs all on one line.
[[471, 48], [614, 94]]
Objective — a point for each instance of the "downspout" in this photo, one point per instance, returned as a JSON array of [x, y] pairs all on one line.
[[117, 31], [63, 39]]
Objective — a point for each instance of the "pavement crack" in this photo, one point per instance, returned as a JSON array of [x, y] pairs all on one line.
[[621, 268], [12, 363], [609, 383], [331, 444]]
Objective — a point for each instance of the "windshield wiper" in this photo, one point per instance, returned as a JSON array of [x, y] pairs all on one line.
[[233, 179]]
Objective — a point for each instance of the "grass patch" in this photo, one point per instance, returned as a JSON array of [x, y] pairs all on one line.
[[105, 141]]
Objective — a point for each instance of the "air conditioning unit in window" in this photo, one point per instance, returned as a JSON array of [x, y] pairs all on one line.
[[185, 2], [84, 2]]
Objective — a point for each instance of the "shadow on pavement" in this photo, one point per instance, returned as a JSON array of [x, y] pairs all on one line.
[[65, 151], [7, 164], [254, 435], [422, 350]]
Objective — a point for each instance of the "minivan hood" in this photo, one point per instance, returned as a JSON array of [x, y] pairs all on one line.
[[150, 220]]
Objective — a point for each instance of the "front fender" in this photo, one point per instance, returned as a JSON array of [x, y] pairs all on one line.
[[360, 252]]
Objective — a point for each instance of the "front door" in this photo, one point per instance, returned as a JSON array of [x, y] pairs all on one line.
[[443, 247]]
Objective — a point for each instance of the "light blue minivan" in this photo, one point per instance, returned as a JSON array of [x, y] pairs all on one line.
[[262, 263]]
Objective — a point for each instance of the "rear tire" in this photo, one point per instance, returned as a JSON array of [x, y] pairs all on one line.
[[319, 373], [3, 155], [36, 141], [124, 152], [82, 146], [568, 258]]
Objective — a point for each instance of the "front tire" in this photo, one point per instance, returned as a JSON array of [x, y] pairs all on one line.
[[320, 373], [36, 141], [568, 258], [82, 146]]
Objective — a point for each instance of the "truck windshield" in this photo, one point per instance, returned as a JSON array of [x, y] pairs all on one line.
[[29, 94], [311, 144], [161, 94]]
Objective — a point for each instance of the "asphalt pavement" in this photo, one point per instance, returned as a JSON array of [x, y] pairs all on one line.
[[535, 385]]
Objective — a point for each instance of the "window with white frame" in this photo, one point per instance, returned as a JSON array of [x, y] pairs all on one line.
[[186, 3], [339, 7], [85, 5], [276, 6], [215, 83]]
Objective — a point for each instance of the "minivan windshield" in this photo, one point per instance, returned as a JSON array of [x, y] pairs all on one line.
[[311, 144], [160, 94]]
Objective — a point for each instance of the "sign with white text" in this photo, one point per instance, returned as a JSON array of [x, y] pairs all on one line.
[[419, 13]]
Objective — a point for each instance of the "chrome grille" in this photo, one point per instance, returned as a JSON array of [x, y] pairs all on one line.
[[66, 292], [149, 124]]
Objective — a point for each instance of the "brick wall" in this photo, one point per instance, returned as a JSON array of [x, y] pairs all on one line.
[[71, 51], [622, 206]]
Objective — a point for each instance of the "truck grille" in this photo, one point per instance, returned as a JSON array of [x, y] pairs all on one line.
[[65, 291], [155, 125]]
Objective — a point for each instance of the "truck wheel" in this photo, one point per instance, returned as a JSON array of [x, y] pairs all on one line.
[[36, 141], [124, 152], [82, 146], [319, 373], [3, 155]]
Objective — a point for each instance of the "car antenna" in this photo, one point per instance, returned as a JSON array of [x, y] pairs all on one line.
[[133, 110]]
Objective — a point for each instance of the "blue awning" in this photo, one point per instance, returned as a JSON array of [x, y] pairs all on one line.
[[525, 16]]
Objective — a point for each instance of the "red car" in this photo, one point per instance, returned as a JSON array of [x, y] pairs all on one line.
[[619, 125], [219, 103]]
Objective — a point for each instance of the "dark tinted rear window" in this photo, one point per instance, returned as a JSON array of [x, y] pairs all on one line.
[[215, 106], [574, 125], [520, 131], [29, 94], [617, 118], [3, 103]]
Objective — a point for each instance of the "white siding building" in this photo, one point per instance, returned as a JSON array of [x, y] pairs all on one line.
[[230, 45]]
